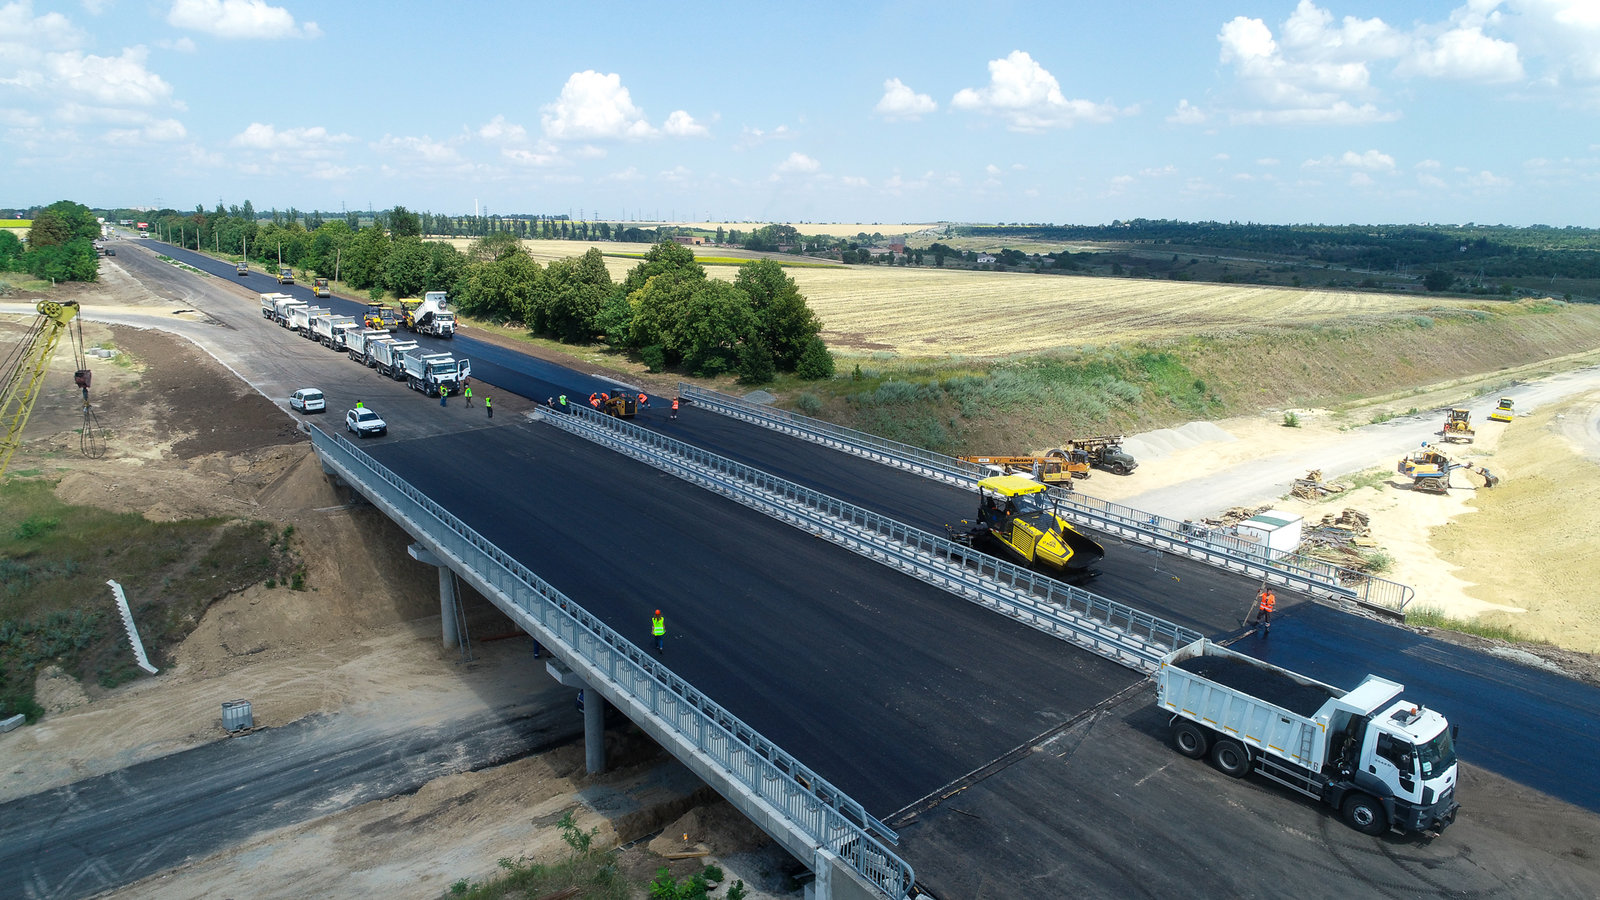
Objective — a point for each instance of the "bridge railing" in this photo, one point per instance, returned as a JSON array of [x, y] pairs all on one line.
[[1114, 630], [635, 678], [1213, 545]]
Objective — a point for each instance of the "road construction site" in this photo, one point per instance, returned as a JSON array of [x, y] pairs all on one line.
[[1064, 758]]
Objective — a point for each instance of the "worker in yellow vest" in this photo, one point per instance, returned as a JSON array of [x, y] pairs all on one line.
[[658, 628]]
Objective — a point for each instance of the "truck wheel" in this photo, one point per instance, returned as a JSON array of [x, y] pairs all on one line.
[[1119, 469], [1231, 758], [1365, 815], [1189, 739]]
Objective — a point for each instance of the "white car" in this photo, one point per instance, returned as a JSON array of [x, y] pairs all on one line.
[[308, 400], [364, 422]]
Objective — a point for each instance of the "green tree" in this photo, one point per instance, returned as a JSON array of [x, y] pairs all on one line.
[[72, 261], [576, 290], [1438, 280], [783, 321], [713, 321], [364, 264], [405, 269], [10, 252], [504, 289], [493, 246], [404, 223], [815, 361], [665, 257], [62, 222], [445, 266]]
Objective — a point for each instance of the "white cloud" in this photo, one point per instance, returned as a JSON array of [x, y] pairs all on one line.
[[1308, 84], [239, 19], [1360, 179], [112, 80], [1028, 97], [1465, 54], [418, 152], [629, 174], [1186, 114], [797, 163], [593, 106], [498, 130], [1566, 32], [1427, 164], [260, 136], [1430, 181], [182, 45], [25, 37], [901, 103], [1267, 161], [526, 156], [854, 181], [755, 137], [992, 169], [681, 124], [1487, 180], [1370, 161]]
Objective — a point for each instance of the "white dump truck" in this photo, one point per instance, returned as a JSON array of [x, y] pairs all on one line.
[[358, 343], [389, 357], [430, 315], [1383, 762], [431, 372], [300, 319], [285, 305], [330, 329], [269, 304]]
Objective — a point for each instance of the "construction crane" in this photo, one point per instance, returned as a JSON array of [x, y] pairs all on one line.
[[23, 378]]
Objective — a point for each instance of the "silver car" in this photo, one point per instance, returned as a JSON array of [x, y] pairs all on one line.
[[364, 422], [308, 400]]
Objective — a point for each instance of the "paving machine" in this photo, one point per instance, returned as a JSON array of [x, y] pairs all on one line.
[[1017, 514]]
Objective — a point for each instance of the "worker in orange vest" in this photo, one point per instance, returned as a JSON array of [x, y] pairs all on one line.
[[1266, 602], [674, 408], [643, 400]]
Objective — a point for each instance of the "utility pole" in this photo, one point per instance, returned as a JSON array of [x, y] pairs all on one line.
[[336, 252]]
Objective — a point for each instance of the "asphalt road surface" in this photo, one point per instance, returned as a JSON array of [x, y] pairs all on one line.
[[1043, 784]]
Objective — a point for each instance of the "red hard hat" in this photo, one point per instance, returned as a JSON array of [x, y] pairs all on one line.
[[658, 612]]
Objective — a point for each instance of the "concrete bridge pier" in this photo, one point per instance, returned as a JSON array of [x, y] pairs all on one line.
[[447, 594], [594, 716]]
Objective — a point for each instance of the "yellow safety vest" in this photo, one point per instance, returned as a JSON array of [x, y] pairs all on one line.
[[658, 626]]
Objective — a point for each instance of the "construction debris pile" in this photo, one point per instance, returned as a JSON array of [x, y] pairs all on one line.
[[1235, 515], [1312, 487], [1340, 539]]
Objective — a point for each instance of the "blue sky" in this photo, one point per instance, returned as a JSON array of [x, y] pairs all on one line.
[[1334, 111]]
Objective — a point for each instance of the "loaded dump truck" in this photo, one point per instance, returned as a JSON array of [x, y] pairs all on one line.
[[358, 343], [389, 357], [283, 306], [431, 372], [269, 304], [300, 319], [330, 329], [1383, 762]]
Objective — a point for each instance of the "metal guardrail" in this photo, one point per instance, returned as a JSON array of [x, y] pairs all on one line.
[[1230, 551], [1113, 630], [793, 792]]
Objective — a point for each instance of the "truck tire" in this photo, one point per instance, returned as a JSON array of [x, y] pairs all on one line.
[[1365, 814], [1231, 758], [1119, 469], [1189, 739]]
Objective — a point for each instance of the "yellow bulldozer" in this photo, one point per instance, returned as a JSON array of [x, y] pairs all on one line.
[[1458, 426], [1429, 469], [1016, 516]]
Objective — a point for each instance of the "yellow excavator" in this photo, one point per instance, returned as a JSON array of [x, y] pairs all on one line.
[[1429, 469], [1458, 426], [22, 378], [1015, 513]]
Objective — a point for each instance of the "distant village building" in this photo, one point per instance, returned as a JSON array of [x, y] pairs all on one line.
[[692, 240], [985, 258]]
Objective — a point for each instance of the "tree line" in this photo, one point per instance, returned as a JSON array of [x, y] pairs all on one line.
[[667, 312], [60, 245]]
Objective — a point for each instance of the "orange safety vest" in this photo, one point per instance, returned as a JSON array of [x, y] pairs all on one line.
[[674, 404], [1268, 601], [641, 398]]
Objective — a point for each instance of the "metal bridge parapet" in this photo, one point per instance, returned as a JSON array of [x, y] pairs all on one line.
[[710, 739], [1313, 576]]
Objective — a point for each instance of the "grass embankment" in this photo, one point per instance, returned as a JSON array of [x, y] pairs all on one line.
[[739, 261], [1027, 403], [55, 607]]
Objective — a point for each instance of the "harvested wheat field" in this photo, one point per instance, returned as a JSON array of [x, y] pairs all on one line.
[[925, 312]]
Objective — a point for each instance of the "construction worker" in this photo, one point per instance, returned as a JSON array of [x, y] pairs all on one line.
[[674, 408], [1266, 602], [658, 628], [444, 394], [488, 405], [360, 405], [466, 393], [594, 401], [562, 401], [644, 401]]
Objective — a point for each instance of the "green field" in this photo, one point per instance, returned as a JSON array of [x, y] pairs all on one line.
[[16, 223]]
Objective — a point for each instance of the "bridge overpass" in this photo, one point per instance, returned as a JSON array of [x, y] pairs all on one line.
[[936, 680]]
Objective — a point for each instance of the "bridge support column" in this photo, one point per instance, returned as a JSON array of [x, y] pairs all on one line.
[[447, 594], [594, 716]]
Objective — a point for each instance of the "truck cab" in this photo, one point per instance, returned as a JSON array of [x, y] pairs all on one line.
[[1405, 758], [285, 275]]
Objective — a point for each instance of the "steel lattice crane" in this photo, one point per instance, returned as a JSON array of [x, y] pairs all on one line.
[[23, 377]]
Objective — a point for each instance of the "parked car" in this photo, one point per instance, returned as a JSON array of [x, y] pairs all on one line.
[[111, 251], [308, 400], [364, 422]]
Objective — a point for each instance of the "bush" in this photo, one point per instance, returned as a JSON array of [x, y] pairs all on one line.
[[755, 363], [1291, 420], [654, 358], [808, 403], [816, 362]]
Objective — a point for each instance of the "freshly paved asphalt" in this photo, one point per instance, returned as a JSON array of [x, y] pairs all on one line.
[[892, 689]]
